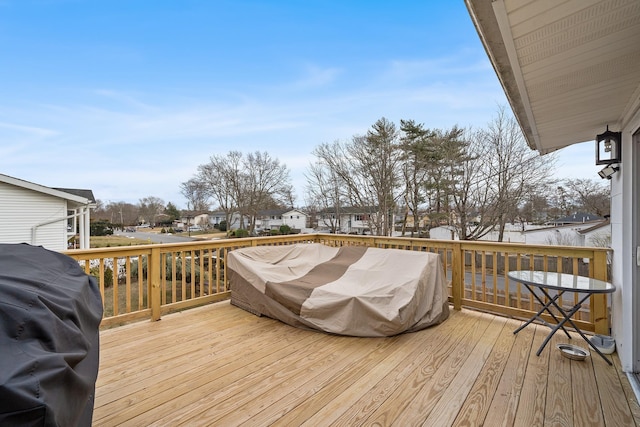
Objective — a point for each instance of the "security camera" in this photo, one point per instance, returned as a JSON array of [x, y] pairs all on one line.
[[608, 171]]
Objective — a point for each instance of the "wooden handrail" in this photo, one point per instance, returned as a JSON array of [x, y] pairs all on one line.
[[152, 280]]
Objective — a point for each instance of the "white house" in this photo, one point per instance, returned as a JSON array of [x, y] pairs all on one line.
[[189, 219], [215, 218], [597, 235], [568, 235], [272, 219], [580, 234], [43, 216], [348, 219], [570, 71], [444, 232]]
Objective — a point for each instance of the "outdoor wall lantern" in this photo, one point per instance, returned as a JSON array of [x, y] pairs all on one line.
[[608, 147]]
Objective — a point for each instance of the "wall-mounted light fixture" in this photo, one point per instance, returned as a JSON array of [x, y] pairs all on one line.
[[608, 147], [607, 171]]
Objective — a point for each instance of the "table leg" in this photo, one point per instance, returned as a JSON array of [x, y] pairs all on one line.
[[584, 337], [567, 318], [545, 306]]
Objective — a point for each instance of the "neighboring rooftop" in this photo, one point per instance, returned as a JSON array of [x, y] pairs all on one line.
[[577, 218], [87, 194]]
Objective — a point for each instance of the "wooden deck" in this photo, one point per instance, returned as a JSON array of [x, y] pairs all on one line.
[[219, 365]]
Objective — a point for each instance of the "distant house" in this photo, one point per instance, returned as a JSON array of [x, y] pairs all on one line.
[[193, 218], [576, 218], [444, 232], [272, 219], [43, 216], [348, 219], [598, 235], [593, 233], [215, 218], [568, 235]]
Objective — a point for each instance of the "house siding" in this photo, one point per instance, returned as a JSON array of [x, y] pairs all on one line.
[[295, 219], [625, 272], [22, 208]]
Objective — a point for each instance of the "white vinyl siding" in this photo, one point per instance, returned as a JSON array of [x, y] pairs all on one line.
[[295, 219], [21, 209]]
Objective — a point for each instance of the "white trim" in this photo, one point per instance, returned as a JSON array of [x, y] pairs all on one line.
[[507, 37], [632, 110], [634, 269], [635, 384], [42, 189], [624, 238]]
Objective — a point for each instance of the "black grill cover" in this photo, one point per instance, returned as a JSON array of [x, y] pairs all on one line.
[[50, 311]]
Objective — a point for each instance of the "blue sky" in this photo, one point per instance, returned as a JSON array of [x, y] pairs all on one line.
[[127, 98]]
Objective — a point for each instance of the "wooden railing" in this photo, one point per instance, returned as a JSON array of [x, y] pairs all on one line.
[[151, 280]]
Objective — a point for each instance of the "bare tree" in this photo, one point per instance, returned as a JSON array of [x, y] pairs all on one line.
[[600, 240], [220, 179], [494, 176], [368, 168], [265, 180], [324, 191], [245, 184], [589, 196], [513, 170], [472, 207], [476, 180], [118, 213], [149, 208], [536, 208], [559, 238], [195, 192]]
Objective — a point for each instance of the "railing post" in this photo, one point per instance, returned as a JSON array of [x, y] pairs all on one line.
[[599, 309], [156, 287], [457, 275]]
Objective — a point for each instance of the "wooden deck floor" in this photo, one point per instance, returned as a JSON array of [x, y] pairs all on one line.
[[219, 365]]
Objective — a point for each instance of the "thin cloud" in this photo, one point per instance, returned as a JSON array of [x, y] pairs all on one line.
[[315, 77], [32, 131], [122, 98], [450, 67]]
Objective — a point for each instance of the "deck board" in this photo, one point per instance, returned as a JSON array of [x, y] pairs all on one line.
[[531, 405], [504, 403], [559, 404], [219, 365], [476, 405]]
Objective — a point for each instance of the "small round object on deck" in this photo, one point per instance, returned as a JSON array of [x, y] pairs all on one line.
[[573, 352], [604, 343]]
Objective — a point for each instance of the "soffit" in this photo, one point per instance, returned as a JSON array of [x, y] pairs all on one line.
[[569, 68]]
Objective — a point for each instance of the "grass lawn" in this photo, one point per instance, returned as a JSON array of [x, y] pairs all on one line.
[[112, 241]]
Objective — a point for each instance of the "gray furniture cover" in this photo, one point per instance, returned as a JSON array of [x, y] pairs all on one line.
[[351, 290], [50, 311]]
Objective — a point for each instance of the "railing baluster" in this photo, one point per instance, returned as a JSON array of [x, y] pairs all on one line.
[[114, 283], [149, 269], [127, 275], [156, 288]]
